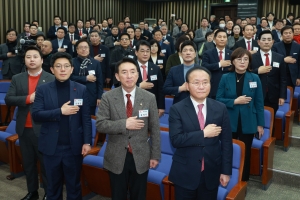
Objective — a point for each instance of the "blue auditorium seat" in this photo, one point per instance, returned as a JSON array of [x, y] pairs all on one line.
[[164, 120]]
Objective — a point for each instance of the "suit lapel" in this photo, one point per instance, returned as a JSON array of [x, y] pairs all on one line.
[[229, 78], [25, 85], [138, 102], [119, 103], [73, 95], [282, 49], [248, 78], [190, 110], [150, 71], [227, 56], [42, 78], [53, 94], [209, 112]]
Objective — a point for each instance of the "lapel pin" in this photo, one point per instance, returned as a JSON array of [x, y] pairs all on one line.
[[74, 89], [151, 68], [141, 104], [43, 80]]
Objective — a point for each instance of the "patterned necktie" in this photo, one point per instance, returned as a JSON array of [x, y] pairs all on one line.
[[202, 124], [129, 114], [220, 55], [144, 72]]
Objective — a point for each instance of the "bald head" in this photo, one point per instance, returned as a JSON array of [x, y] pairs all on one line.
[[46, 47]]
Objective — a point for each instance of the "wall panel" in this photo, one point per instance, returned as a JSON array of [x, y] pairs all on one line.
[[280, 8]]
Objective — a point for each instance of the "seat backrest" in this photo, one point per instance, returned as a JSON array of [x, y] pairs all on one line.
[[169, 103], [11, 128], [102, 150], [269, 120], [289, 95], [164, 163], [165, 143], [4, 86]]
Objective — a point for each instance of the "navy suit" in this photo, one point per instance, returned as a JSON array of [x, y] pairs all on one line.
[[191, 146], [242, 43], [104, 52], [166, 48], [295, 53], [84, 31], [174, 80], [210, 60], [64, 43], [157, 89], [75, 38], [275, 36], [172, 46], [51, 32]]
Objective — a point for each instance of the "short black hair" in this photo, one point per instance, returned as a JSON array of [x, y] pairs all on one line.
[[26, 23], [61, 28], [194, 69], [158, 45], [204, 18], [114, 26], [141, 21], [130, 27], [10, 30], [138, 28], [188, 43], [121, 22], [40, 35], [142, 42], [32, 47], [82, 40], [124, 34], [33, 25], [290, 14], [180, 40], [263, 20], [270, 13], [94, 31], [126, 60], [157, 31], [265, 32], [208, 33], [58, 55], [79, 20], [286, 28], [35, 21], [57, 16], [71, 24], [219, 31], [246, 26], [278, 20]]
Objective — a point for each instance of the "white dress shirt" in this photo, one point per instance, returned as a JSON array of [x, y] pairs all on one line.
[[132, 93], [263, 57], [141, 69], [204, 108]]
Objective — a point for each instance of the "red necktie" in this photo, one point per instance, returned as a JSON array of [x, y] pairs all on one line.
[[80, 32], [267, 59], [145, 76], [129, 114], [202, 124], [220, 55], [248, 48]]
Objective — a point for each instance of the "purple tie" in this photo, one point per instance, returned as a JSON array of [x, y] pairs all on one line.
[[202, 123]]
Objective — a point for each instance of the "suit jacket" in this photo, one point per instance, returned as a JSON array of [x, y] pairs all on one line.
[[275, 36], [64, 43], [15, 64], [84, 31], [152, 71], [88, 30], [172, 61], [111, 119], [231, 41], [171, 45], [106, 32], [161, 60], [147, 34], [211, 45], [191, 146], [94, 89], [210, 60], [75, 38], [252, 114], [51, 32], [47, 112], [103, 51], [275, 81], [175, 79], [199, 37], [16, 96], [166, 48], [295, 53], [109, 42], [241, 43]]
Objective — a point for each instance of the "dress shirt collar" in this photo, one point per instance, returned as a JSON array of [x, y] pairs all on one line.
[[204, 109], [35, 74], [132, 97]]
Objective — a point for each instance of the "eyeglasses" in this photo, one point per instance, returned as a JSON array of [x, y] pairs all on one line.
[[242, 59], [124, 39], [62, 66], [203, 84]]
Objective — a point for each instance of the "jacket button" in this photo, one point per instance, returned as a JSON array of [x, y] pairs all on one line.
[[129, 137]]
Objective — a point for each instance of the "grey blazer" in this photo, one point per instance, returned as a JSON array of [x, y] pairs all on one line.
[[17, 94], [14, 63], [231, 41], [111, 119], [199, 37]]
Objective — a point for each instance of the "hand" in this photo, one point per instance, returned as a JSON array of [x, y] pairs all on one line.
[[224, 179], [225, 63], [264, 69], [10, 54], [67, 109], [98, 101], [290, 59], [100, 59], [84, 36], [61, 49], [281, 101], [32, 97], [161, 112], [85, 149], [161, 54], [91, 78], [183, 88], [132, 123], [252, 51], [166, 42], [146, 37], [117, 43], [242, 100], [260, 130], [298, 82], [74, 42], [107, 80], [212, 130], [146, 85], [160, 66], [153, 163]]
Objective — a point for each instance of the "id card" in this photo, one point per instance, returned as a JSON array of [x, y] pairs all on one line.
[[143, 113], [253, 84], [276, 64], [78, 102], [160, 61], [163, 51], [255, 48], [103, 55], [153, 77], [130, 56], [65, 46], [92, 72]]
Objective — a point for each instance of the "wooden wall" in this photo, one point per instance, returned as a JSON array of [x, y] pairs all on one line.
[[280, 8]]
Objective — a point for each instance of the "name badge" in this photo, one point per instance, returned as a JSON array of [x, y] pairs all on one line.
[[163, 51], [133, 47], [16, 51], [130, 56], [92, 72], [153, 77], [143, 113], [253, 84], [102, 40], [160, 61], [276, 64], [255, 48], [65, 46], [78, 102], [103, 55]]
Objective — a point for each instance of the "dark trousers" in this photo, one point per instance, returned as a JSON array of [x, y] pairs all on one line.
[[63, 164], [201, 193], [289, 81], [129, 177], [92, 110], [30, 154], [8, 75]]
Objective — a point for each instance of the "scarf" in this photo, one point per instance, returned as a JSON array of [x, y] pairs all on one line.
[[11, 46], [83, 67]]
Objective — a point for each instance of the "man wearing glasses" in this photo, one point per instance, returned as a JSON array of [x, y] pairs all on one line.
[[62, 107]]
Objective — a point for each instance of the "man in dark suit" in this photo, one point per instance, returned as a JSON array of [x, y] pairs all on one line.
[[62, 107], [73, 38], [291, 52], [51, 35], [277, 32], [22, 94], [129, 115], [47, 53], [100, 53], [80, 30], [264, 25], [146, 34], [200, 130], [175, 83], [87, 26], [60, 44], [248, 42], [271, 69], [26, 32], [150, 76], [217, 60], [113, 41], [87, 71], [167, 39], [289, 19], [12, 63], [165, 48], [105, 29]]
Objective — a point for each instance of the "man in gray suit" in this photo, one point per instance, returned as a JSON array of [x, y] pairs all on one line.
[[200, 33], [22, 94], [129, 115]]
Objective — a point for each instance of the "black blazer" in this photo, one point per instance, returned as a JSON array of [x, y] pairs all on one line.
[[242, 44], [275, 81], [75, 37], [65, 43], [147, 34], [161, 60], [275, 36], [51, 32], [103, 51], [152, 71], [83, 31]]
